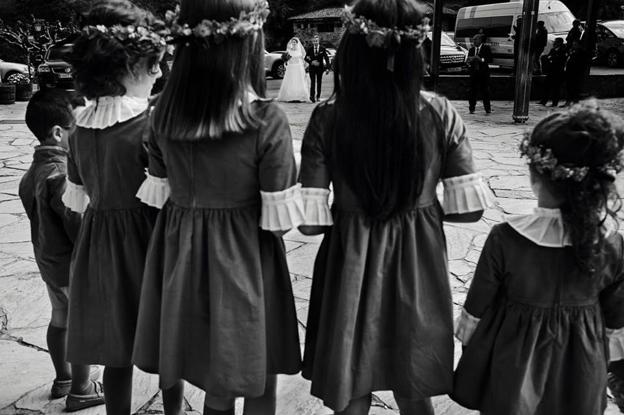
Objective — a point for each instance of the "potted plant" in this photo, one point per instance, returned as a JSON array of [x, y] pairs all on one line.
[[23, 86], [7, 93]]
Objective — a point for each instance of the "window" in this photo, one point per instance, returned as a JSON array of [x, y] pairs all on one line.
[[325, 27], [498, 26]]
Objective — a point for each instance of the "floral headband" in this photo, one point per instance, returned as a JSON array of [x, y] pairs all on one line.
[[212, 30], [383, 37], [140, 35], [544, 162]]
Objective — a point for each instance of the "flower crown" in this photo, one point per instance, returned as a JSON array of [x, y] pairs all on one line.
[[382, 37], [544, 162], [207, 30], [139, 35]]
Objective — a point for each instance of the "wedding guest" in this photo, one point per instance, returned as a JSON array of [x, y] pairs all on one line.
[[53, 230], [575, 72], [106, 166], [479, 58], [217, 307], [380, 314], [575, 33], [540, 40], [555, 72], [545, 310], [317, 58]]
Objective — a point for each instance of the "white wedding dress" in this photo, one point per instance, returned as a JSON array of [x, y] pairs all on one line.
[[295, 85]]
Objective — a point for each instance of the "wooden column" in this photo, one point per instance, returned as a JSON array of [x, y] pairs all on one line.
[[434, 69], [524, 65]]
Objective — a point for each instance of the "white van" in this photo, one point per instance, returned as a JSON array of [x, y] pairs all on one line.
[[498, 21]]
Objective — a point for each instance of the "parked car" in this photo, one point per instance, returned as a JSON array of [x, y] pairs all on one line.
[[55, 72], [274, 64], [452, 56], [9, 68], [610, 42]]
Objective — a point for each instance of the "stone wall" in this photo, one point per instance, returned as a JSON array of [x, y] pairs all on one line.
[[305, 32]]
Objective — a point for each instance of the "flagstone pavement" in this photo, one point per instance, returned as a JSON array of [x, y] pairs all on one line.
[[26, 372]]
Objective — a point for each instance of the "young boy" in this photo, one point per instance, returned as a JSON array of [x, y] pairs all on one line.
[[53, 230]]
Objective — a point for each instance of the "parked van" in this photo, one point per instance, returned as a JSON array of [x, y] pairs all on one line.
[[498, 22]]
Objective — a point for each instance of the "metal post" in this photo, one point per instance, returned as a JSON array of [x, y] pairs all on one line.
[[524, 64], [589, 38], [434, 69]]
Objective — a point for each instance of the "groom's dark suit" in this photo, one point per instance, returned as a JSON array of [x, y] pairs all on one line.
[[318, 54]]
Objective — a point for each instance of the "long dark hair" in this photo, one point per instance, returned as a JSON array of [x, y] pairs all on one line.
[[378, 146], [584, 136], [101, 61], [207, 94]]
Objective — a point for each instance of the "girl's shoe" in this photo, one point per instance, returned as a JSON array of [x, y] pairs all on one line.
[[61, 388], [77, 402]]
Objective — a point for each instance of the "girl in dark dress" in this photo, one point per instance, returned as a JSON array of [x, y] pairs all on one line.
[[380, 313], [217, 307], [115, 71], [545, 311]]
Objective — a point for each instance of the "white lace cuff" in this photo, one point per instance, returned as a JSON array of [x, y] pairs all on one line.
[[464, 194], [616, 344], [316, 206], [75, 197], [465, 326], [282, 211], [154, 191]]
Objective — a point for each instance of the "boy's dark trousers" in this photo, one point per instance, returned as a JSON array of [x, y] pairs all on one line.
[[316, 82], [552, 89], [479, 83]]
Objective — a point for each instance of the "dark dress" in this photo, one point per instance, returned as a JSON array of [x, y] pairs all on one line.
[[109, 257], [540, 346], [380, 314], [217, 307]]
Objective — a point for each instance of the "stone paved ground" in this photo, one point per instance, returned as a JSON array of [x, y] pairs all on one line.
[[25, 369]]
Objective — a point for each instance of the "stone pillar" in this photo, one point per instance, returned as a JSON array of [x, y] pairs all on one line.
[[524, 65]]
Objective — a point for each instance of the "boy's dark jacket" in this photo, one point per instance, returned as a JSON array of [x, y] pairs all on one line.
[[53, 228]]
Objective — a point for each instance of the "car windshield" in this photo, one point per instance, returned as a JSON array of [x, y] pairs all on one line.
[[445, 40], [59, 53], [557, 22], [616, 28]]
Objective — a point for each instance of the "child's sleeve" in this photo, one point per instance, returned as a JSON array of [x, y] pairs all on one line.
[[612, 304], [282, 206], [71, 220], [483, 289], [315, 175], [464, 188], [155, 189], [74, 197]]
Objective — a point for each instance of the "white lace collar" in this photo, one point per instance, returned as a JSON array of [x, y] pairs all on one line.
[[108, 111], [545, 227]]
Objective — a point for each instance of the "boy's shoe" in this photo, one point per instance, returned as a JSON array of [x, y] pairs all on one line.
[[61, 388], [76, 402], [616, 386]]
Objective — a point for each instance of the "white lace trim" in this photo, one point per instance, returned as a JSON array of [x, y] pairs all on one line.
[[283, 210], [316, 206], [75, 197], [616, 344], [543, 227], [465, 326], [154, 191], [467, 193], [108, 111]]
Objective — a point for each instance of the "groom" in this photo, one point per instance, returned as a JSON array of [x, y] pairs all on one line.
[[317, 58]]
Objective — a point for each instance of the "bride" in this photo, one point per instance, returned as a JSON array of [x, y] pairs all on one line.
[[294, 85]]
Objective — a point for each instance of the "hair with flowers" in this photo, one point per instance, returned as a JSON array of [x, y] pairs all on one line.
[[208, 31], [383, 37], [577, 154], [136, 34]]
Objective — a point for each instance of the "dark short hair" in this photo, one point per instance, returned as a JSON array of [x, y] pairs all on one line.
[[48, 108], [101, 61]]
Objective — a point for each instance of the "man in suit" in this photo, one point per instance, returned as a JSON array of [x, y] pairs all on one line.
[[317, 58], [539, 44], [479, 57]]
